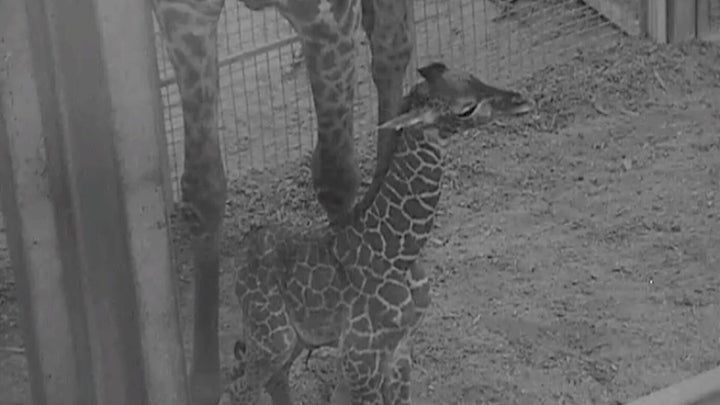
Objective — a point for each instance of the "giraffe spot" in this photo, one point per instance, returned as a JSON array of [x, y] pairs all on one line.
[[389, 192], [388, 338], [415, 210], [312, 259], [381, 206], [355, 277], [359, 307], [257, 311], [371, 285], [394, 292], [348, 295], [321, 278], [428, 158], [402, 264], [421, 185], [396, 184], [331, 296], [341, 242], [366, 363], [371, 220], [379, 264], [376, 308], [431, 200], [251, 282], [361, 325], [276, 304], [433, 173], [350, 256], [312, 299], [406, 171], [364, 255], [323, 254], [374, 240], [353, 237], [302, 273], [397, 220], [392, 242], [261, 331], [421, 296], [253, 298], [422, 228], [410, 244], [281, 339]]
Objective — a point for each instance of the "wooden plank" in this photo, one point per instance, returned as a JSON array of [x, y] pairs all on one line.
[[702, 18], [81, 150], [619, 14], [702, 389], [681, 20], [30, 221], [142, 155], [644, 17], [657, 20]]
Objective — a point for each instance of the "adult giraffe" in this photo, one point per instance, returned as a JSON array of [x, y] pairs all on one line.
[[326, 29]]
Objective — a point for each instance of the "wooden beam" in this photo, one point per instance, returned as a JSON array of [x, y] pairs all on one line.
[[81, 151], [702, 389], [657, 20], [681, 20], [702, 19], [644, 18]]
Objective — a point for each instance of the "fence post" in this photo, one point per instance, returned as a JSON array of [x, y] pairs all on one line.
[[670, 21], [656, 19], [87, 227], [702, 18], [681, 20]]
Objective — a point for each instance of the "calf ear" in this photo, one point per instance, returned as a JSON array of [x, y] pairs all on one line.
[[423, 116], [433, 71]]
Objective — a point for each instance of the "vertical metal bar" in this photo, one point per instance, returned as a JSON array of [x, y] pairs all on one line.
[[657, 20], [29, 214], [83, 192], [681, 20], [702, 18]]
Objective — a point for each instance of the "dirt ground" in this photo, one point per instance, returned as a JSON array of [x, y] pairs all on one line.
[[576, 255]]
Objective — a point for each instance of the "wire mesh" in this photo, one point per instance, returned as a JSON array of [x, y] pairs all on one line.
[[266, 109]]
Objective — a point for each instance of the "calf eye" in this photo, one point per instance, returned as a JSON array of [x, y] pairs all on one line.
[[467, 110]]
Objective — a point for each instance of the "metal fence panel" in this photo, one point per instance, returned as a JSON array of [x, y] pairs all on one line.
[[266, 110]]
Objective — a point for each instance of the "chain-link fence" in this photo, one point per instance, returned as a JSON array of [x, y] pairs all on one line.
[[266, 106]]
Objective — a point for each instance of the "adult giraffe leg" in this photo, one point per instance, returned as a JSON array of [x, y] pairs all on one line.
[[189, 28], [327, 32], [388, 26]]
